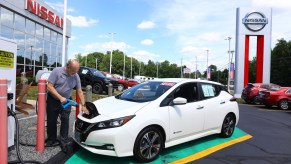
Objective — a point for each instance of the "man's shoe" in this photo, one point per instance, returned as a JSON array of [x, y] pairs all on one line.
[[50, 143], [64, 149]]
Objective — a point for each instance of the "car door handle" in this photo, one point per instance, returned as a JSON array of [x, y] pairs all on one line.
[[200, 107], [222, 102]]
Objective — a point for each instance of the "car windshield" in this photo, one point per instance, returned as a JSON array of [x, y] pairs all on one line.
[[97, 73], [145, 92]]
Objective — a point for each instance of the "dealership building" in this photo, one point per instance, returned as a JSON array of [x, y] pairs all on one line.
[[37, 29]]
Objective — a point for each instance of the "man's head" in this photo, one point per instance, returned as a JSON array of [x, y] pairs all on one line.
[[72, 66]]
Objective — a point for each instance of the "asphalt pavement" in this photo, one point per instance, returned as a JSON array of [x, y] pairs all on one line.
[[271, 142]]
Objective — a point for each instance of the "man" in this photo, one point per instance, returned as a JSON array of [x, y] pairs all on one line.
[[60, 84]]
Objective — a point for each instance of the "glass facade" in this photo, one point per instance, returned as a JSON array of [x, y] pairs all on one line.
[[38, 46]]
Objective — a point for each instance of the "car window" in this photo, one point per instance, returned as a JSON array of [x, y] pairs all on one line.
[[145, 92], [187, 91], [289, 90], [209, 90]]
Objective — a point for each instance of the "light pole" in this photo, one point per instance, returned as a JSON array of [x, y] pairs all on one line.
[[157, 69], [207, 64], [131, 67], [96, 63], [181, 69], [196, 68], [228, 80], [112, 34], [86, 61], [123, 76]]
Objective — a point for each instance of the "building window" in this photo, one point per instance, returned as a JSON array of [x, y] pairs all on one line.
[[47, 34], [30, 27], [19, 23], [39, 31], [53, 36], [6, 32], [19, 37], [6, 17]]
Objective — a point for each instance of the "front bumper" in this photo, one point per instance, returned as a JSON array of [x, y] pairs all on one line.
[[112, 142]]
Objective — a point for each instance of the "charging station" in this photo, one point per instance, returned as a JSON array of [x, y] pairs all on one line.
[[8, 56]]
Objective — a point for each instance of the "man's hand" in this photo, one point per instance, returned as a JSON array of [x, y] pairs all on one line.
[[63, 100], [85, 110]]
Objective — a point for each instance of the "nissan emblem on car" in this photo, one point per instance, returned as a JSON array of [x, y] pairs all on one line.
[[255, 21]]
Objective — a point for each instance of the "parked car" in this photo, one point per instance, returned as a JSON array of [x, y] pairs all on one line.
[[93, 77], [132, 82], [278, 97], [250, 93], [122, 84], [154, 115]]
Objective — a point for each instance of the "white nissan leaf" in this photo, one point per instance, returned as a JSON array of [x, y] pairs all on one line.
[[151, 116]]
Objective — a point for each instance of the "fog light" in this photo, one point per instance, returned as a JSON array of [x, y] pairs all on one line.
[[110, 147]]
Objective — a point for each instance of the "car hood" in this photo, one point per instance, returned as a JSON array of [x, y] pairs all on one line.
[[111, 107]]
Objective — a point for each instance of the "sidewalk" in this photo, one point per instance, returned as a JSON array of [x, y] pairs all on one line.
[[27, 134]]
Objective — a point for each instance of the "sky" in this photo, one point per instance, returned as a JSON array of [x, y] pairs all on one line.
[[159, 30]]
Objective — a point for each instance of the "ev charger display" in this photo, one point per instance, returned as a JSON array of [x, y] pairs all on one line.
[[8, 56]]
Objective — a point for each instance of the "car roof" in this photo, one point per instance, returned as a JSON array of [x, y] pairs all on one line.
[[178, 80]]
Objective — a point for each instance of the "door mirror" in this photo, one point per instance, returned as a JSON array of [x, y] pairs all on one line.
[[179, 101]]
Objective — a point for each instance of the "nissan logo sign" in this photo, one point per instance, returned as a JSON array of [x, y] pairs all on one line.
[[255, 21]]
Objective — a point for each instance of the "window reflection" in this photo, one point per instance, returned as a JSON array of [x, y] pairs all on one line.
[[6, 17], [39, 31], [6, 32], [19, 38], [53, 36], [30, 27], [47, 35], [19, 22]]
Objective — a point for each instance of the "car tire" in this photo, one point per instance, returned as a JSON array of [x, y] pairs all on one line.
[[248, 101], [120, 87], [283, 104], [97, 88], [255, 100], [268, 106], [148, 144], [228, 126]]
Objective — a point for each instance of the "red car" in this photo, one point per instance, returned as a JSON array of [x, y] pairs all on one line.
[[132, 82], [250, 93], [278, 97], [122, 84]]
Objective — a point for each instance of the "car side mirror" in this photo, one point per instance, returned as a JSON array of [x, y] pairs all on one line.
[[179, 101]]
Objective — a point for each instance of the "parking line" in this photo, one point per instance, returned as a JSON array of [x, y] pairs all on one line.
[[211, 150]]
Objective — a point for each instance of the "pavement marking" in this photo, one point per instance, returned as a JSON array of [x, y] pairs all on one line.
[[174, 154], [211, 150]]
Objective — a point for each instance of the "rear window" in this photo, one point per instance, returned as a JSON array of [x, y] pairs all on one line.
[[249, 86]]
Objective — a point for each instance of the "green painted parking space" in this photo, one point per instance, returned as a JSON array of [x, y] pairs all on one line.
[[183, 153]]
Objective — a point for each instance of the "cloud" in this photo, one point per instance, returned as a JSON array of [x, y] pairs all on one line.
[[81, 21], [73, 38], [107, 46], [210, 36], [144, 56], [59, 7], [278, 6], [147, 42], [146, 25]]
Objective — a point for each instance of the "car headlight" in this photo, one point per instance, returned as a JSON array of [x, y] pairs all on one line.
[[114, 122]]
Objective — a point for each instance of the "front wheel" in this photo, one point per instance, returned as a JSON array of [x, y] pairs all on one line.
[[148, 145], [228, 126], [97, 88], [283, 104]]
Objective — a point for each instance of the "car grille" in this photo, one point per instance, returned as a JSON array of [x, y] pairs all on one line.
[[82, 130]]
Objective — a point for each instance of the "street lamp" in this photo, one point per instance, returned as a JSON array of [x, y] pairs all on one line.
[[112, 34], [228, 79], [196, 68], [123, 76], [96, 63], [86, 61], [131, 67], [157, 69], [207, 64]]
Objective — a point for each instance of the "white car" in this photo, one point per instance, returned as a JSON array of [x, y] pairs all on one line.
[[154, 115]]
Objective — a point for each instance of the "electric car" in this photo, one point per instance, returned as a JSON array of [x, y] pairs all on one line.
[[154, 115]]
